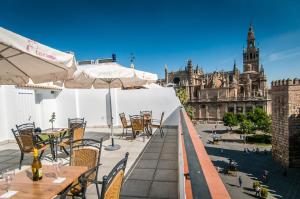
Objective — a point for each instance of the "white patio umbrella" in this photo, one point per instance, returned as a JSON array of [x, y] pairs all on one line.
[[22, 59], [109, 75]]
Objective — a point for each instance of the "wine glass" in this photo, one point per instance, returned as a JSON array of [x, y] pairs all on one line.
[[8, 177], [57, 165]]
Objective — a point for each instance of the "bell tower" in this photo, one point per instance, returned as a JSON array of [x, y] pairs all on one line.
[[251, 53]]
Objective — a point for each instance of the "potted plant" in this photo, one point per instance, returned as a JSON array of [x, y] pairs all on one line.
[[52, 119], [264, 192]]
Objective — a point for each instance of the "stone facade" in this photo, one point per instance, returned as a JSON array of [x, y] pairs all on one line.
[[213, 94], [286, 122]]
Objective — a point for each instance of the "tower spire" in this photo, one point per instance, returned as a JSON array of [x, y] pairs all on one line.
[[234, 66], [251, 53], [251, 37]]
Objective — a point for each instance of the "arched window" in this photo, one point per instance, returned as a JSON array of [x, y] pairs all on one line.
[[241, 89], [250, 55], [176, 80]]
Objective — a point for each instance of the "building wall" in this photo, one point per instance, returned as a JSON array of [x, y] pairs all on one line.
[[286, 122], [93, 104]]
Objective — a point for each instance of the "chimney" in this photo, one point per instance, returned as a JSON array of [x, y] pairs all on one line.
[[114, 57]]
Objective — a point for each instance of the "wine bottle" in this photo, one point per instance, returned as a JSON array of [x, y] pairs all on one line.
[[36, 166]]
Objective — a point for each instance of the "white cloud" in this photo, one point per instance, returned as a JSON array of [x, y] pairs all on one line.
[[284, 54]]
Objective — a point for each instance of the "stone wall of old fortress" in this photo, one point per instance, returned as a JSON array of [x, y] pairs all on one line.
[[286, 121]]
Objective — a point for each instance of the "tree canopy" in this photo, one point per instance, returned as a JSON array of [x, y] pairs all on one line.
[[183, 98], [230, 120]]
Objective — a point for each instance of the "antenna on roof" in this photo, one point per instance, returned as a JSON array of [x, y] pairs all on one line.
[[132, 59]]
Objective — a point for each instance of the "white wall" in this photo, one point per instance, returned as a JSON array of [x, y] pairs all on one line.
[[93, 104], [158, 100]]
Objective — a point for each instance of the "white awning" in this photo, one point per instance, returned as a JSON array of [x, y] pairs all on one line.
[[22, 59]]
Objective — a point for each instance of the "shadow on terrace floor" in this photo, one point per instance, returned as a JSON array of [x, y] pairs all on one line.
[[10, 153]]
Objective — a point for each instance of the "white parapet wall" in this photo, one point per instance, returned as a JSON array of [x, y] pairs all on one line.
[[23, 105]]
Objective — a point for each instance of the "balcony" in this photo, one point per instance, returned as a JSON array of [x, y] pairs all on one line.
[[178, 161]]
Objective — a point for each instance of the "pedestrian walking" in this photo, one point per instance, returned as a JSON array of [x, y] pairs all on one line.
[[257, 191], [240, 181], [267, 175]]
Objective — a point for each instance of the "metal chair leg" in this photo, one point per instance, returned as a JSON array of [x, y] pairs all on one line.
[[65, 150], [41, 154], [21, 159], [161, 132], [97, 190]]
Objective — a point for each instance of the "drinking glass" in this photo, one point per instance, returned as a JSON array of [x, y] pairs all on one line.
[[8, 177], [57, 165]]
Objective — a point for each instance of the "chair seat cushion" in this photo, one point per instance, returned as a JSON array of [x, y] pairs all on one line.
[[64, 143]]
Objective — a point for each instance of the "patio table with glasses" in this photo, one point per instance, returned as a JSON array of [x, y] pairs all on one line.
[[53, 183], [53, 136]]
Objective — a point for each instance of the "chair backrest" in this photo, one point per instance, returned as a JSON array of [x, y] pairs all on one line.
[[86, 152], [161, 118], [27, 128], [147, 115], [123, 120], [136, 123], [73, 122], [78, 131], [112, 183], [24, 140]]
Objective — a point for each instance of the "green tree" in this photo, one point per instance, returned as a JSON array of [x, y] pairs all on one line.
[[183, 98], [260, 119], [230, 120], [240, 117], [182, 95], [247, 126]]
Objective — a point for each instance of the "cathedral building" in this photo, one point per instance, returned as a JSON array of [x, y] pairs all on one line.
[[213, 94]]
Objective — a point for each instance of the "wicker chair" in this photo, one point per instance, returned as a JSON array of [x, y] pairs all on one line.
[[111, 184], [73, 122], [147, 120], [159, 124], [125, 124], [75, 133], [26, 141], [137, 125], [85, 152]]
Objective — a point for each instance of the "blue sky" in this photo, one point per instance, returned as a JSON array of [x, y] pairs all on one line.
[[211, 33]]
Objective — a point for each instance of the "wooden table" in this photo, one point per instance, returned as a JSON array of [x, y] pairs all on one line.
[[45, 188], [53, 135]]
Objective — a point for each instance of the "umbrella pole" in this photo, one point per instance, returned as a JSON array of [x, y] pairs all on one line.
[[113, 146]]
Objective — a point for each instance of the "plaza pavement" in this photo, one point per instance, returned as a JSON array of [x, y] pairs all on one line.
[[251, 166]]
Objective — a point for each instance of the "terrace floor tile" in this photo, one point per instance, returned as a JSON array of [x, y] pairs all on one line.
[[164, 190], [166, 175], [150, 156], [147, 164], [137, 188], [142, 174]]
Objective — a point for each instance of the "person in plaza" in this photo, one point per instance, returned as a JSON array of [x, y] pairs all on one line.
[[248, 151], [266, 175], [257, 191], [240, 181], [257, 150]]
